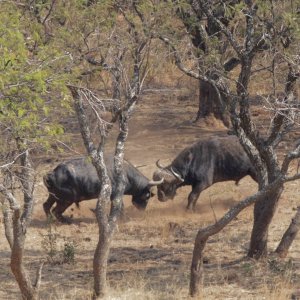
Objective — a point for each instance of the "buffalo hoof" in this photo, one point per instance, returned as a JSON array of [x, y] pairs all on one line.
[[47, 209]]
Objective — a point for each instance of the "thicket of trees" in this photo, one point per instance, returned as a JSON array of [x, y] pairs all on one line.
[[95, 56]]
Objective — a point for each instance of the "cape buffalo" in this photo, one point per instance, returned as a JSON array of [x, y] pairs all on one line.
[[77, 180], [204, 163]]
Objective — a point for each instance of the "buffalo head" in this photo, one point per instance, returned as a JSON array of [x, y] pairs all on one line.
[[141, 198], [171, 180]]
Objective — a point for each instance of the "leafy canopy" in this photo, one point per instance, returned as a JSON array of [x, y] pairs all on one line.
[[30, 78]]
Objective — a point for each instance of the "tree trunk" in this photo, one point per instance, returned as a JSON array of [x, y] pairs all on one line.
[[28, 291], [204, 233], [100, 265], [205, 105], [289, 235], [16, 222], [8, 226], [210, 105], [197, 264], [263, 213]]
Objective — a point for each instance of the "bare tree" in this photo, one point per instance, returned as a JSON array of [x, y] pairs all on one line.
[[262, 32], [27, 75], [17, 217], [289, 235], [126, 84], [202, 31], [262, 151]]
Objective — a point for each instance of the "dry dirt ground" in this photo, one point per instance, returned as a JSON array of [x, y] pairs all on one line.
[[151, 251]]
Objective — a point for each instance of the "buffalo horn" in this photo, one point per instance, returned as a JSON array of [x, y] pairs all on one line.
[[140, 166], [159, 165], [177, 175], [158, 182]]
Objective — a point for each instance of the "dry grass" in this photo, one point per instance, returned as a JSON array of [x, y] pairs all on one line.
[[151, 254]]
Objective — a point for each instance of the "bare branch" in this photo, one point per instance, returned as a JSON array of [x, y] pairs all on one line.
[[38, 279], [216, 84], [289, 235], [288, 158], [285, 112], [250, 44], [249, 147], [68, 147], [178, 60], [292, 178], [28, 183], [13, 161], [86, 134], [7, 215], [204, 233], [49, 12], [206, 9], [13, 203]]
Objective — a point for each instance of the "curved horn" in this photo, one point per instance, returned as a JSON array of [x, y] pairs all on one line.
[[154, 183], [177, 175], [139, 166], [159, 165]]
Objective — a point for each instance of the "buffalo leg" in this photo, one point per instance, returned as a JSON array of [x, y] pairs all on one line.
[[61, 206], [194, 195], [48, 204]]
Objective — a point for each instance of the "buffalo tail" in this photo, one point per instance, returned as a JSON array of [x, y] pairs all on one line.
[[48, 180]]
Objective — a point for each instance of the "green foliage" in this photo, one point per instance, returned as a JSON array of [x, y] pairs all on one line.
[[30, 76], [50, 242], [248, 268], [82, 25], [69, 252], [58, 249], [280, 267]]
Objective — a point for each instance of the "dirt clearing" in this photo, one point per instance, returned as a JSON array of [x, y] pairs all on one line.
[[152, 250]]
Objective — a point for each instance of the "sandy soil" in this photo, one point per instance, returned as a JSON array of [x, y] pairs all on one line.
[[152, 250]]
